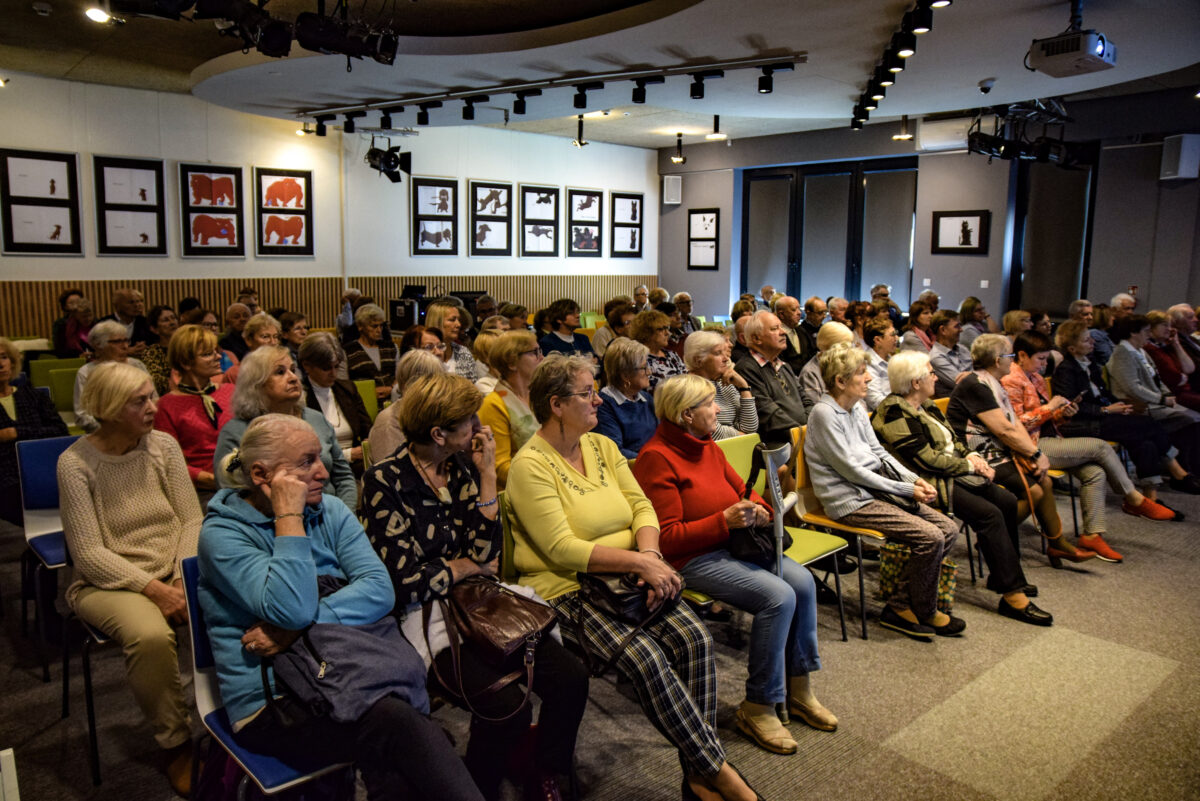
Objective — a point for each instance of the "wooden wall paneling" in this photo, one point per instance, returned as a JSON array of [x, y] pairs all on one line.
[[532, 291]]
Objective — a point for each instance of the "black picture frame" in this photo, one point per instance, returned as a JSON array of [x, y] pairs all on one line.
[[39, 203], [704, 239], [627, 212], [540, 215], [283, 202], [491, 218], [585, 228], [965, 233], [131, 206], [434, 205], [211, 206]]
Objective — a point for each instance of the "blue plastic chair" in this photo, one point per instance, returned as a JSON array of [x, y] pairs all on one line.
[[272, 775]]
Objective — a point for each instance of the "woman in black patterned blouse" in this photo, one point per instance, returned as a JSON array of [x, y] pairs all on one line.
[[432, 515]]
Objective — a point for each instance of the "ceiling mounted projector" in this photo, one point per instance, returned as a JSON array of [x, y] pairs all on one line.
[[1072, 53]]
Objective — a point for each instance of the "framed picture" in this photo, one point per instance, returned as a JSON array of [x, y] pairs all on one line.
[[210, 211], [491, 218], [625, 230], [284, 212], [585, 219], [39, 203], [961, 232], [703, 238], [539, 220], [435, 216]]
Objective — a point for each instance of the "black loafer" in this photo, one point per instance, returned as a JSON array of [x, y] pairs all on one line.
[[1030, 590], [1030, 614], [1189, 484], [952, 629], [918, 631]]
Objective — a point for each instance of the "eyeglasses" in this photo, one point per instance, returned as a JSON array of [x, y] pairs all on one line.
[[434, 346], [587, 394], [663, 328], [1008, 356], [531, 352]]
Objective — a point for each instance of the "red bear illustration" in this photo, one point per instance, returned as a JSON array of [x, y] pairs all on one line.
[[218, 192], [284, 228], [283, 192], [205, 228]]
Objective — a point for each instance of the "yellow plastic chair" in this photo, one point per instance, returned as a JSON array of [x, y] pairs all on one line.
[[942, 403], [590, 333], [740, 453], [39, 369], [366, 390]]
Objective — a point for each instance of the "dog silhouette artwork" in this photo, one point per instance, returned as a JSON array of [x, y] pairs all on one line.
[[964, 236], [545, 197], [540, 231], [211, 191], [285, 192], [435, 238], [493, 199], [481, 234], [143, 239], [288, 230], [56, 234], [141, 194], [442, 204], [633, 239], [584, 239], [586, 203], [53, 186], [205, 228], [633, 210]]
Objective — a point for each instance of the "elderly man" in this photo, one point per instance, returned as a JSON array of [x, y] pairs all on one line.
[[1122, 304], [764, 297], [129, 309], [837, 309], [236, 317], [641, 298], [688, 323], [883, 292], [787, 309], [1183, 319], [1081, 310], [740, 343], [814, 317], [950, 360], [775, 387]]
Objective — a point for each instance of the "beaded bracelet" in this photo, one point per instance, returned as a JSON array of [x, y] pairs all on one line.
[[485, 504]]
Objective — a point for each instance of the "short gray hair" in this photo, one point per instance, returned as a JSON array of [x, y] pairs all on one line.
[[103, 331], [906, 367], [987, 349], [261, 443], [368, 313], [840, 361], [321, 349], [249, 396], [414, 364], [1119, 299], [680, 296], [756, 325], [1179, 312], [554, 377], [1077, 306], [698, 345], [622, 357]]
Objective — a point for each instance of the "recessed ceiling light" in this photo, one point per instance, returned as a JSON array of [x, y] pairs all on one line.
[[97, 14]]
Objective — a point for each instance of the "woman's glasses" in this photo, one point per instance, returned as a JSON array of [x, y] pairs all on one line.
[[587, 394], [434, 346]]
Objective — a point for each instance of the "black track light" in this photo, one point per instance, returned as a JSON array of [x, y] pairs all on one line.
[[766, 84], [875, 91], [697, 90], [892, 61], [581, 90], [385, 116], [640, 84], [856, 125], [904, 43], [904, 134], [351, 116], [861, 113], [867, 102], [698, 78], [883, 77], [519, 103], [468, 112], [321, 123], [922, 17], [423, 114], [679, 158]]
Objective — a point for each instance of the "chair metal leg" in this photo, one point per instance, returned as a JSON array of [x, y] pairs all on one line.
[[862, 592], [1074, 517], [89, 701], [39, 618], [837, 583], [26, 589], [66, 671], [966, 530]]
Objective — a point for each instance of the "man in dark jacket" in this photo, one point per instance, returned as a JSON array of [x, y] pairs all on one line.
[[775, 387]]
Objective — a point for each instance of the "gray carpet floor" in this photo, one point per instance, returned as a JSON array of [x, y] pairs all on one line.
[[1103, 705]]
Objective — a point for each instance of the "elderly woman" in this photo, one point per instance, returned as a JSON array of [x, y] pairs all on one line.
[[1016, 322], [975, 320], [653, 329], [109, 341], [191, 412], [336, 399], [916, 432], [269, 384], [74, 332], [1100, 415], [812, 385], [481, 349], [848, 467], [578, 508], [1089, 459], [25, 413], [207, 320], [879, 336], [517, 316], [699, 498], [917, 335], [433, 516], [447, 316], [983, 416], [707, 354], [1173, 363], [371, 357], [267, 545], [130, 515], [163, 322], [386, 436], [627, 414], [261, 330], [293, 328], [505, 410]]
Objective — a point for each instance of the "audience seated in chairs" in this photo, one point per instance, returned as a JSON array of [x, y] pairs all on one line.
[[618, 315], [653, 329], [812, 385], [70, 333], [917, 335], [699, 498], [975, 320], [1175, 366], [336, 399], [627, 414], [110, 343], [879, 336], [267, 546], [25, 413], [950, 359], [372, 357], [777, 394], [163, 323], [130, 515], [481, 350], [849, 467], [706, 354], [386, 435], [269, 385], [578, 508], [505, 410], [916, 432], [293, 328], [433, 517], [448, 317], [236, 317], [563, 317]]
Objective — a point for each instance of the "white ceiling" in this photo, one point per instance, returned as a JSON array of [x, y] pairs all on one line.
[[842, 39]]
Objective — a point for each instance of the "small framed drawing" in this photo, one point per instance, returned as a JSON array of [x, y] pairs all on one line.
[[585, 216], [435, 216], [491, 219], [284, 210], [962, 232], [539, 220], [131, 208], [210, 206], [39, 203], [625, 230], [703, 238]]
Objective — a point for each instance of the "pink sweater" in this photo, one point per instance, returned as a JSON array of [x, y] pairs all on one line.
[[183, 417]]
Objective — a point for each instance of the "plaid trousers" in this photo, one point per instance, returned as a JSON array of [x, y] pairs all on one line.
[[670, 663]]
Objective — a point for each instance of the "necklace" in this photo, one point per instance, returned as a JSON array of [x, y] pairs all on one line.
[[443, 492]]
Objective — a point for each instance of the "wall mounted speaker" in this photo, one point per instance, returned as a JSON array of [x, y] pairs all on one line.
[[1180, 157], [672, 189]]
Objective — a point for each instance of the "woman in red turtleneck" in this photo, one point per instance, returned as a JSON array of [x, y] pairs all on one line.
[[698, 498]]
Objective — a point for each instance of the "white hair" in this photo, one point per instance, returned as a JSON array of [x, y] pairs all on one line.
[[906, 367]]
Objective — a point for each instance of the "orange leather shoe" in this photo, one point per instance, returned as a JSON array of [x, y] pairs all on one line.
[[1094, 542]]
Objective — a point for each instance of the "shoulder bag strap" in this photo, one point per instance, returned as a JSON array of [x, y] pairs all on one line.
[[612, 660]]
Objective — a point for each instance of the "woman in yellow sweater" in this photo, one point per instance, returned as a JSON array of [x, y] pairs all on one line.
[[578, 508], [514, 356]]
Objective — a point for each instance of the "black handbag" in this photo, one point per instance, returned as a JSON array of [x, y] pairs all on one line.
[[904, 504], [755, 544], [617, 595]]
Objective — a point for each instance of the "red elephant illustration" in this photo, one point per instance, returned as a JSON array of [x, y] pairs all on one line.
[[205, 228], [217, 191], [285, 228], [283, 192]]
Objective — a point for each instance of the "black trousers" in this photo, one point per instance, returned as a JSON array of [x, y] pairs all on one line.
[[402, 755], [560, 680], [991, 511]]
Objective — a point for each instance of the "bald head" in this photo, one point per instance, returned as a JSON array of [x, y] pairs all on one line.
[[787, 309], [1183, 318]]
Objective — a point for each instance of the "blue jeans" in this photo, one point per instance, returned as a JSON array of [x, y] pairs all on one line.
[[783, 639]]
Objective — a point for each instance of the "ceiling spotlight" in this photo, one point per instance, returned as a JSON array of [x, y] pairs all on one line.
[[716, 135], [423, 114], [390, 162], [579, 141], [922, 17], [892, 61], [304, 130], [581, 90], [382, 46], [321, 120], [883, 77], [3, 82], [766, 84], [875, 90], [867, 102], [856, 125], [97, 14], [698, 78], [861, 114], [385, 116], [697, 90], [941, 3], [519, 103], [640, 84], [679, 158], [468, 112], [348, 126], [905, 134], [905, 44]]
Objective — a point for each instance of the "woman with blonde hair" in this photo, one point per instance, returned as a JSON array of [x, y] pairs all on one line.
[[707, 354], [699, 499], [505, 410], [653, 329], [448, 317], [130, 515], [1016, 322], [386, 436], [627, 414], [481, 349]]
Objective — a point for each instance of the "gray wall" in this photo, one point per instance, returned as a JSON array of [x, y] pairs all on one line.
[[709, 288]]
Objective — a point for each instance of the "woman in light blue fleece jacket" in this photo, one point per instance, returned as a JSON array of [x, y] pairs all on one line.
[[845, 460]]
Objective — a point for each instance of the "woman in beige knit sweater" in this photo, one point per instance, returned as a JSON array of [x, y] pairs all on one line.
[[130, 515]]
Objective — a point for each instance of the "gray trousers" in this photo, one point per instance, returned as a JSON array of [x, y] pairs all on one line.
[[1092, 461]]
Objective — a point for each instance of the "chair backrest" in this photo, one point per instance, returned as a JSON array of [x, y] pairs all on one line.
[[808, 497], [739, 451], [366, 390], [204, 668], [62, 388], [508, 570], [37, 463], [39, 369], [701, 318], [942, 403]]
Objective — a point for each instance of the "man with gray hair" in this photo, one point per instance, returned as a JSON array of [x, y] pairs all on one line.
[[1183, 319], [688, 322], [1081, 310], [129, 309], [1122, 304], [837, 309], [774, 385], [764, 299], [641, 298], [787, 309]]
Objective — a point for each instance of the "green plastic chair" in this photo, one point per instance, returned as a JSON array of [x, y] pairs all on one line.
[[366, 390], [62, 393], [740, 453], [39, 369], [508, 570]]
